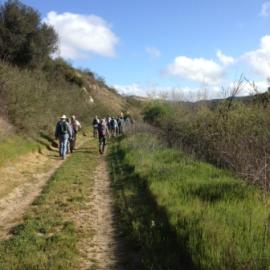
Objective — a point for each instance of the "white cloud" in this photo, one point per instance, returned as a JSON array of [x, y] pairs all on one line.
[[131, 89], [82, 34], [250, 88], [153, 52], [259, 59], [169, 92], [224, 59], [191, 93], [200, 70], [265, 9]]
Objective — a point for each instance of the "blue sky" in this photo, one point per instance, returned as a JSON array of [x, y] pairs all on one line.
[[145, 46]]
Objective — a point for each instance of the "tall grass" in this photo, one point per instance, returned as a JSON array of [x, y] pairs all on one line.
[[222, 221]]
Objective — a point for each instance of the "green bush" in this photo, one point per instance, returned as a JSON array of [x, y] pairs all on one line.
[[157, 112]]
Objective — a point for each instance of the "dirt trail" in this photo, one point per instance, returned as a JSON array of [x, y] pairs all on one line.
[[103, 248], [20, 183]]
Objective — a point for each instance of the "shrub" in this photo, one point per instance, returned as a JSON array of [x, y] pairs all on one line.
[[232, 134], [157, 112]]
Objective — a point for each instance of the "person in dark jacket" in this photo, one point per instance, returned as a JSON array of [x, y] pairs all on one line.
[[95, 126], [62, 133]]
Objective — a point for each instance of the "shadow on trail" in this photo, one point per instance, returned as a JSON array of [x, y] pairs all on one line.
[[142, 222]]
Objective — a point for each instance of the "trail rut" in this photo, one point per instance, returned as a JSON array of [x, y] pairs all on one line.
[[20, 183], [103, 248]]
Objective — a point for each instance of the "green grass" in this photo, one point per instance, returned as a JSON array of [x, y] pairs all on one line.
[[15, 146], [221, 222], [141, 221], [48, 236]]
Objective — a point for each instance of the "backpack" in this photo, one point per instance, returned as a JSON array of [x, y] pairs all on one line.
[[63, 128], [112, 123], [95, 121]]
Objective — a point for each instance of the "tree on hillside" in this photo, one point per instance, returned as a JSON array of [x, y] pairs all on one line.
[[24, 39]]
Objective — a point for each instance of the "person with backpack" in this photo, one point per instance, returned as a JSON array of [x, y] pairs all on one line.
[[95, 126], [62, 133], [103, 132], [76, 126]]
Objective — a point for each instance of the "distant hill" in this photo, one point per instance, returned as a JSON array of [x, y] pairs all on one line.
[[260, 97]]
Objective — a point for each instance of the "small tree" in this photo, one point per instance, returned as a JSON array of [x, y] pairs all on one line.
[[24, 39]]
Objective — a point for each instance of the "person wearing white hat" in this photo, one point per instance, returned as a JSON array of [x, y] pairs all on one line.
[[62, 133], [76, 126]]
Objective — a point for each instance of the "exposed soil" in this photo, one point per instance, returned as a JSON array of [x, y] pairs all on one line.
[[21, 182], [103, 247]]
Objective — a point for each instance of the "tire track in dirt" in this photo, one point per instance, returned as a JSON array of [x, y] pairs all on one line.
[[103, 248], [21, 182]]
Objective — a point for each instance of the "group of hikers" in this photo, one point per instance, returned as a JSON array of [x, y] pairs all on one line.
[[109, 126], [67, 128], [66, 132]]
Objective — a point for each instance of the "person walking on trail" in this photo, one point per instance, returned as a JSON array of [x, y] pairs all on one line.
[[103, 132], [108, 122], [62, 133], [70, 136], [121, 124], [114, 126], [76, 126], [95, 126]]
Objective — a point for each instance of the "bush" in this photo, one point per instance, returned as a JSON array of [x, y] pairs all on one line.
[[233, 134], [157, 112]]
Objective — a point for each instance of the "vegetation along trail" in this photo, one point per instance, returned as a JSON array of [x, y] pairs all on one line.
[[69, 223]]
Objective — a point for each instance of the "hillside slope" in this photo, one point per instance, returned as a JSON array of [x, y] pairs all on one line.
[[33, 100]]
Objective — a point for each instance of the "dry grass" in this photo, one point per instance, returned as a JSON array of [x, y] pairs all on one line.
[[6, 129]]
